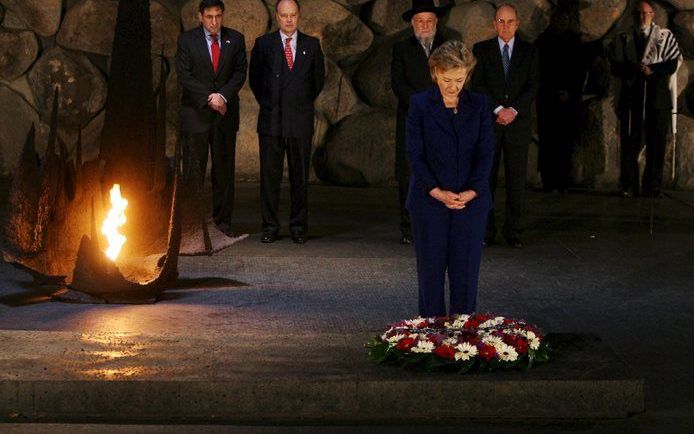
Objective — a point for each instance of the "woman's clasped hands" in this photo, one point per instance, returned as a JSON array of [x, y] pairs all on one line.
[[453, 200]]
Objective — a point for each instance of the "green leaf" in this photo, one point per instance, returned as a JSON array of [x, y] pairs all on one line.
[[414, 359], [466, 366], [379, 353], [531, 359], [542, 353], [434, 362]]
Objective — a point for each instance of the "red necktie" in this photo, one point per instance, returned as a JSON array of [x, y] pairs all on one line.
[[288, 53], [215, 52]]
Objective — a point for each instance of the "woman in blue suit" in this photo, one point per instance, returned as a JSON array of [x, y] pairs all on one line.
[[450, 146]]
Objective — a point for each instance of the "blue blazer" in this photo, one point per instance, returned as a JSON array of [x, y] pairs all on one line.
[[454, 153]]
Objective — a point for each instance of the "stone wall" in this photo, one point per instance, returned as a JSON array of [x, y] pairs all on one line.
[[68, 42]]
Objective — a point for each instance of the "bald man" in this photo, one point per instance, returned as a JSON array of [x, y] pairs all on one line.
[[286, 75], [507, 72]]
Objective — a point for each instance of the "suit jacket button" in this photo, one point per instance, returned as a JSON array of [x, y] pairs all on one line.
[[278, 76]]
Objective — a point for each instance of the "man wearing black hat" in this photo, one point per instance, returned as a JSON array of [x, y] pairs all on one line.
[[409, 74]]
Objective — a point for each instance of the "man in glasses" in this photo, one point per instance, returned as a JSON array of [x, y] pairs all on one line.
[[645, 60], [508, 73]]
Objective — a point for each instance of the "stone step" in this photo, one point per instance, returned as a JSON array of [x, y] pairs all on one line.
[[311, 378]]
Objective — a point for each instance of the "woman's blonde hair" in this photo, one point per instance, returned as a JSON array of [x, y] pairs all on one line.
[[451, 55]]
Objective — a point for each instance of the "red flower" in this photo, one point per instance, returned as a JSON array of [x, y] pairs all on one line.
[[445, 352], [521, 346], [475, 320], [405, 344], [486, 351], [518, 342], [439, 322], [436, 338]]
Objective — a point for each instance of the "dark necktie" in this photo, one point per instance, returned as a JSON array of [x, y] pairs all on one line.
[[505, 60], [641, 40], [215, 52], [288, 53]]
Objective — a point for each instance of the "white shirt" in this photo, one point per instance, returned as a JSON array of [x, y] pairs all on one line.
[[208, 39], [510, 45], [510, 55], [292, 43], [427, 45]]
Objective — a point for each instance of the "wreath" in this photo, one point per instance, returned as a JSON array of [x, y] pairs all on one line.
[[461, 342]]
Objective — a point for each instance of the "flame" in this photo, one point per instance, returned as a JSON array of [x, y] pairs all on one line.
[[114, 220]]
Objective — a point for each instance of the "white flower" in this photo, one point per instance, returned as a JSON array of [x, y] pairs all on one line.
[[393, 340], [506, 352], [492, 322], [492, 340], [450, 341], [423, 346], [465, 351], [534, 343], [457, 324], [413, 322]]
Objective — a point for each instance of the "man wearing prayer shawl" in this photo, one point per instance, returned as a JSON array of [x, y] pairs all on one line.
[[645, 60]]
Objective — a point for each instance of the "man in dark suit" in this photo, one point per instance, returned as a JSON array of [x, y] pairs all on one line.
[[507, 72], [563, 72], [409, 74], [211, 67], [286, 75], [645, 59]]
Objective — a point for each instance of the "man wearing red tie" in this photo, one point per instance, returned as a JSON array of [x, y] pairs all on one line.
[[211, 67], [286, 75]]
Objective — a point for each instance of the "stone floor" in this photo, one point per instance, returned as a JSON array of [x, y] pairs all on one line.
[[594, 263]]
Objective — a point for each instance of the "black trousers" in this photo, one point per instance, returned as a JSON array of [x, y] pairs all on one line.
[[558, 129], [222, 146], [654, 130], [515, 155], [272, 151]]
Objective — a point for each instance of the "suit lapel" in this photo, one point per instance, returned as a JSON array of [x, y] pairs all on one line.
[[418, 51], [204, 50], [225, 46], [495, 56], [439, 112], [438, 40], [516, 56], [461, 121], [299, 57]]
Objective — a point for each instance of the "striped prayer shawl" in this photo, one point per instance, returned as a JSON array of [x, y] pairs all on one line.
[[661, 47]]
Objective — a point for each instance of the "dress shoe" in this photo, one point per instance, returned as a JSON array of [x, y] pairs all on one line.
[[514, 242], [488, 241], [406, 239], [655, 193], [299, 237], [269, 237], [627, 193]]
